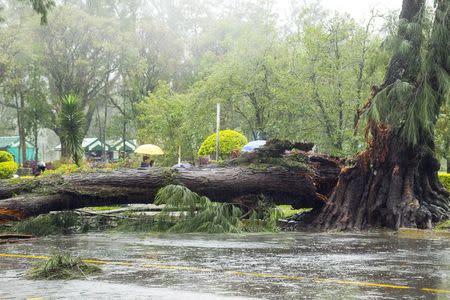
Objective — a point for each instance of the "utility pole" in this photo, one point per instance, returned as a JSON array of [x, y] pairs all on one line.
[[217, 131]]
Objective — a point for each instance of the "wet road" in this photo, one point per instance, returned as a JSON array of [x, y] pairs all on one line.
[[262, 266]]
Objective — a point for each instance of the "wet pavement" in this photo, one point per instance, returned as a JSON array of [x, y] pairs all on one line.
[[261, 266]]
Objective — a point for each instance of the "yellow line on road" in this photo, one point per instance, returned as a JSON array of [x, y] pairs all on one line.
[[237, 273], [362, 283], [181, 268], [23, 256]]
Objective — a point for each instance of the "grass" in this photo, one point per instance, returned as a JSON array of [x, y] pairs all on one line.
[[104, 208], [20, 180], [62, 266], [288, 211], [443, 225]]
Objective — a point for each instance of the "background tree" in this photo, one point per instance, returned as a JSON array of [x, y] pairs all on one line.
[[161, 122], [443, 135], [78, 56]]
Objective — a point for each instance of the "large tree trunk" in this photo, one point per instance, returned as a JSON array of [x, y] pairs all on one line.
[[397, 190], [301, 188], [394, 183]]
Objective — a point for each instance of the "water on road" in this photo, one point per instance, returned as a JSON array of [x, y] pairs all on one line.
[[261, 266]]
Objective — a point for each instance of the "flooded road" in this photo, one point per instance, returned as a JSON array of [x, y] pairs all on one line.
[[261, 266]]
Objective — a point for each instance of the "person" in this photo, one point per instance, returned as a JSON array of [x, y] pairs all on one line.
[[40, 167], [152, 163], [145, 162]]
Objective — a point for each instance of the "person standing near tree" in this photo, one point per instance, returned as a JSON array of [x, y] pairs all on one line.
[[145, 162]]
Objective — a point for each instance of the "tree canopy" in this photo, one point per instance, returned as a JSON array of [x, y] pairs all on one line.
[[135, 63]]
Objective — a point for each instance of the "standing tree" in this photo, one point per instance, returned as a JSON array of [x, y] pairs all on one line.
[[394, 181], [79, 57], [71, 120]]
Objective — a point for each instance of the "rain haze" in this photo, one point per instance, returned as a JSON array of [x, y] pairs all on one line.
[[224, 149]]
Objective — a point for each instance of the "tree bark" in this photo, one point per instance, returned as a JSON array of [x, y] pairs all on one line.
[[307, 188], [393, 183]]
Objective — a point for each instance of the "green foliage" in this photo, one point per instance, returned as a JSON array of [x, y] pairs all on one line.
[[104, 208], [136, 80], [288, 211], [61, 266], [7, 169], [442, 133], [42, 7], [410, 101], [229, 140], [21, 180], [161, 122], [143, 223], [445, 179], [198, 214], [59, 223], [6, 156], [7, 165], [445, 225], [71, 120], [67, 169], [267, 222]]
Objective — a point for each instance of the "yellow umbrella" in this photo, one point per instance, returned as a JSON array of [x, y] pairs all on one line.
[[149, 149]]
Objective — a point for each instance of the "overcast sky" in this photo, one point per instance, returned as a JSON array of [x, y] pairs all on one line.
[[358, 9]]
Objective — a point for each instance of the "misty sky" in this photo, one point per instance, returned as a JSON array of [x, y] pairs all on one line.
[[358, 9]]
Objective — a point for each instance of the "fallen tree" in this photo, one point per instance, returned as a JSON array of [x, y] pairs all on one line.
[[305, 185]]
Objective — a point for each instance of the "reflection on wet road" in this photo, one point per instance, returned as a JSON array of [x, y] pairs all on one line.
[[271, 266]]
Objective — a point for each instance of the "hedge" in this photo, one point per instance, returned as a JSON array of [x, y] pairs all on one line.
[[229, 140], [5, 156], [445, 179], [7, 169]]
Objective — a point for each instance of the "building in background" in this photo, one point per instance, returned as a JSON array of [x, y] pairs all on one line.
[[118, 149], [11, 144]]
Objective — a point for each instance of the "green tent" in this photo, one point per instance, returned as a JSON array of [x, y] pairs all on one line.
[[11, 144]]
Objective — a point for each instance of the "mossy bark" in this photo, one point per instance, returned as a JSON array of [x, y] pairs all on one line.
[[301, 188]]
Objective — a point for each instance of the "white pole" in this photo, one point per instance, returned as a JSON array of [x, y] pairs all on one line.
[[217, 131]]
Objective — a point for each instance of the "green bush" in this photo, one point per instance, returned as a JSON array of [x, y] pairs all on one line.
[[7, 169], [445, 179], [68, 169], [5, 156], [229, 140]]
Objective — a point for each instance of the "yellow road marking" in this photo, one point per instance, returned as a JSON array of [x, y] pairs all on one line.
[[23, 256], [435, 290], [237, 273], [151, 266], [106, 262], [265, 275], [362, 283]]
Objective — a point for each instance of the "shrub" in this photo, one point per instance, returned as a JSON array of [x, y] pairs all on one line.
[[445, 179], [6, 156], [7, 169], [229, 140], [71, 120], [68, 169]]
